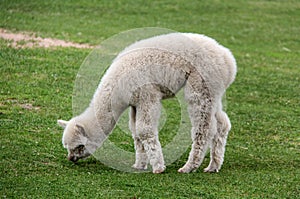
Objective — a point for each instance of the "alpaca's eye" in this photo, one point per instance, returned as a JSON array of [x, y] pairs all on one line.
[[79, 149]]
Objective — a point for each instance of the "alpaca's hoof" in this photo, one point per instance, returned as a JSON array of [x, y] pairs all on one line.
[[184, 170], [181, 170], [211, 170], [213, 167], [160, 169], [139, 167], [187, 168]]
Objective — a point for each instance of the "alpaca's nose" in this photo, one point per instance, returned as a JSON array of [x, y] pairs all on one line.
[[72, 158]]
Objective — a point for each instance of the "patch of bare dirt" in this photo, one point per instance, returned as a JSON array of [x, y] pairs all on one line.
[[30, 40], [30, 107]]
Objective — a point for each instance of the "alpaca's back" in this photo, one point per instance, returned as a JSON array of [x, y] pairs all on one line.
[[214, 62]]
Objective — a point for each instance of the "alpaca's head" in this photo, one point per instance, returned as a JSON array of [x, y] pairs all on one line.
[[76, 140]]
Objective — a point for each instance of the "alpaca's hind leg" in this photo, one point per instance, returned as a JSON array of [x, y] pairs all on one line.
[[201, 111], [147, 118], [219, 142], [141, 159]]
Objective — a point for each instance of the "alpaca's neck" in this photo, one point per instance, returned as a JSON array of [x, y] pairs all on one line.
[[106, 112]]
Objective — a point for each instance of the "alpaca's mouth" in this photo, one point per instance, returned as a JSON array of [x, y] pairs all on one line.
[[73, 158]]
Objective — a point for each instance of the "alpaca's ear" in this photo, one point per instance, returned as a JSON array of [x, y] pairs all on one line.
[[80, 129], [62, 123]]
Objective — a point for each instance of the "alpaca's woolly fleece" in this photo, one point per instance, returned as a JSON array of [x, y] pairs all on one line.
[[147, 72]]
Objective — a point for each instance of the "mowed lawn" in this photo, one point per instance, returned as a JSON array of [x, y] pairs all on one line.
[[262, 157]]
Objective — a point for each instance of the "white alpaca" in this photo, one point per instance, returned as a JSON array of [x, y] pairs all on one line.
[[140, 77]]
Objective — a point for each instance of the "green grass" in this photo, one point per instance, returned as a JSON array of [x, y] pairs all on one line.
[[263, 152]]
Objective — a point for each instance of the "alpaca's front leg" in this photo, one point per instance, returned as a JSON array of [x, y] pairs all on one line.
[[154, 152], [141, 159], [147, 119]]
